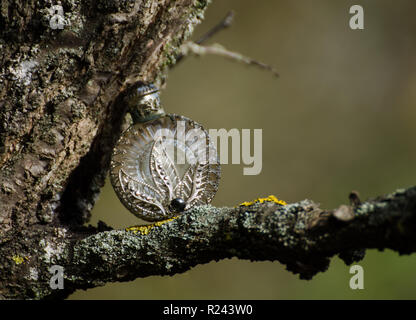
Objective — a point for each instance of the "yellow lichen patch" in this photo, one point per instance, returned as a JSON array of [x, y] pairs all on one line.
[[270, 198], [142, 229], [159, 223], [145, 229], [18, 259]]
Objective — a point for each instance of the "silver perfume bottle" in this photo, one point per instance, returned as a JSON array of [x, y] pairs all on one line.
[[163, 164]]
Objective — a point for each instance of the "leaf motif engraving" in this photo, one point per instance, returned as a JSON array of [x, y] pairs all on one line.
[[164, 172], [136, 189], [184, 188], [200, 179], [147, 171]]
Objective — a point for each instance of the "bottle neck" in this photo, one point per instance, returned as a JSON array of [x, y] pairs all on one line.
[[144, 103]]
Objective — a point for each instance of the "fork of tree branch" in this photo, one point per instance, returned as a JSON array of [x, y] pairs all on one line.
[[196, 48]]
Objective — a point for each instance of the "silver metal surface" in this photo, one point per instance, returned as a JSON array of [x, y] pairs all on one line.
[[144, 103], [168, 159]]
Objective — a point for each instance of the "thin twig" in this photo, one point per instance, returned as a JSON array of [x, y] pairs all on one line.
[[196, 49], [223, 24]]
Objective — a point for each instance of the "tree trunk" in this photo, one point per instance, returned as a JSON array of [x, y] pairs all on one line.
[[61, 114]]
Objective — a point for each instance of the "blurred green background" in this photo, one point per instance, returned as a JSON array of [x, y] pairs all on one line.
[[341, 117]]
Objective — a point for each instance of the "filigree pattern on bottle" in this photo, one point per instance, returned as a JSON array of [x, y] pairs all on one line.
[[162, 167]]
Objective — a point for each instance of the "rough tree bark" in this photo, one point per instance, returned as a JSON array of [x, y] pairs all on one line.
[[61, 113]]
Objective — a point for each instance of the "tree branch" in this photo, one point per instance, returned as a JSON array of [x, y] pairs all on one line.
[[299, 235]]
